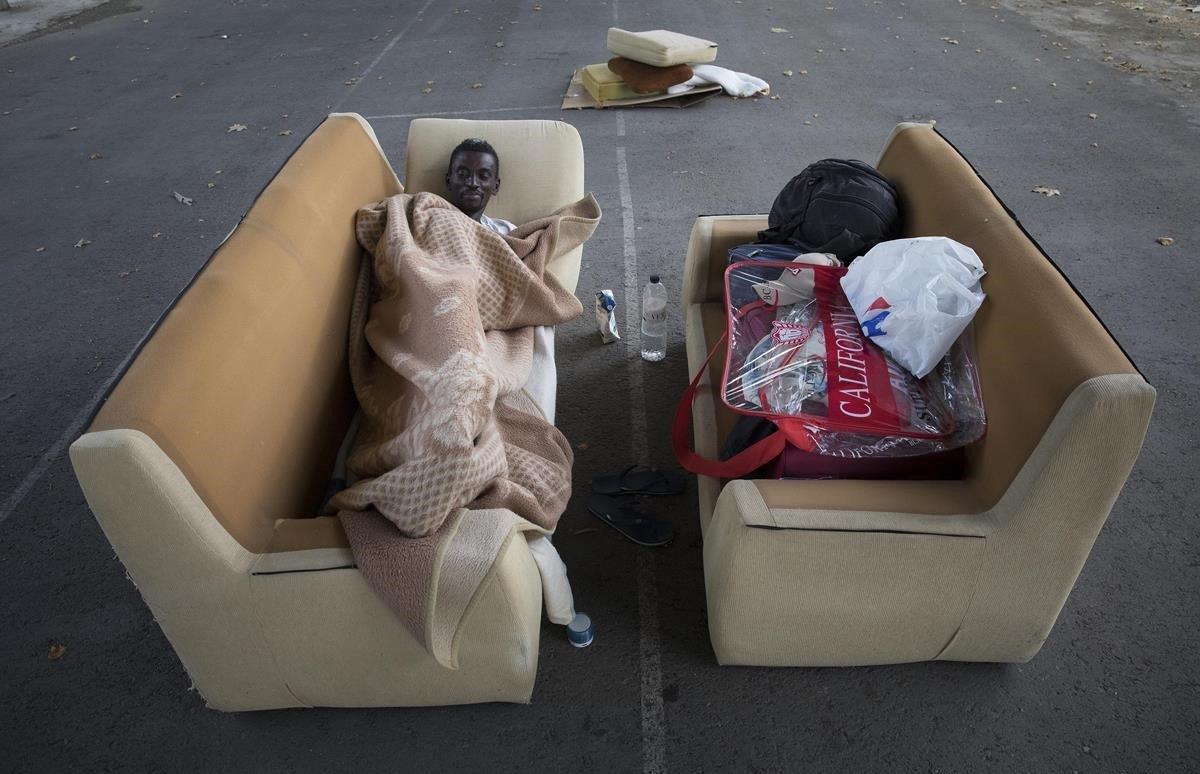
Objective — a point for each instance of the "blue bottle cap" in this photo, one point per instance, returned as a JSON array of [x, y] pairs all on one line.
[[579, 631]]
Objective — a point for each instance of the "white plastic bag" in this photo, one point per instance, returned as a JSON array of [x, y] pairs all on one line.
[[915, 297]]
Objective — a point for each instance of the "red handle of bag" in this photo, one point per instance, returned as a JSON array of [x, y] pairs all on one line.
[[744, 462]]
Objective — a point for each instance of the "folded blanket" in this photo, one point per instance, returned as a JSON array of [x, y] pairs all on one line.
[[452, 456]]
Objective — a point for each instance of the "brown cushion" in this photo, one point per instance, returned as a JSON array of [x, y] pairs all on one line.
[[647, 79]]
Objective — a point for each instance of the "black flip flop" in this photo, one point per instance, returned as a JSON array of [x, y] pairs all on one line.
[[638, 527], [640, 480]]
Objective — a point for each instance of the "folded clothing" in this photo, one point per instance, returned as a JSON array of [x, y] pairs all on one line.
[[660, 48], [648, 79], [605, 85]]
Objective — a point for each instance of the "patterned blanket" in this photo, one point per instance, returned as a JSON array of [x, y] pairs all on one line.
[[453, 457]]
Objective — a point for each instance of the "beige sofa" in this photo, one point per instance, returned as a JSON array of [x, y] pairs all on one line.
[[814, 573], [206, 463]]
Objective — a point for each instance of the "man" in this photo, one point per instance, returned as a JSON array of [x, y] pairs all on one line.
[[472, 179]]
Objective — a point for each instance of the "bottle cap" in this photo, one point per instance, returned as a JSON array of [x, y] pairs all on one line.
[[654, 278], [579, 631]]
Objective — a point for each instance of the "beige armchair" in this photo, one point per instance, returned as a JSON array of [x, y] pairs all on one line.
[[814, 573], [206, 463]]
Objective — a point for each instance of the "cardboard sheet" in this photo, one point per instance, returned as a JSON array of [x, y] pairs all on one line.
[[577, 97]]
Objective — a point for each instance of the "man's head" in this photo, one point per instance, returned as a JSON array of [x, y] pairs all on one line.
[[473, 176]]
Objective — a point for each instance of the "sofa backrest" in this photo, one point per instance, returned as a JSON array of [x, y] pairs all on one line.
[[1036, 338], [243, 384], [541, 169]]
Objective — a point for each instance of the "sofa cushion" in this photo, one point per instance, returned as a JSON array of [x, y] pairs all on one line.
[[660, 48], [647, 79]]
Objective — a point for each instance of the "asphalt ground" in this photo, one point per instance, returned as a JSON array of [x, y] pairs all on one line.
[[151, 91]]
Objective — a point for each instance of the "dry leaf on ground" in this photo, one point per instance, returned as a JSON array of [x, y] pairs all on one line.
[[56, 652], [1165, 241], [1046, 190], [182, 199], [236, 128]]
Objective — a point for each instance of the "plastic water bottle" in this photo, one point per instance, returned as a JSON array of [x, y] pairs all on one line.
[[654, 320]]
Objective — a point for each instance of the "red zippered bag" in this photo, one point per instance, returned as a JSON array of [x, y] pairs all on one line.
[[797, 357]]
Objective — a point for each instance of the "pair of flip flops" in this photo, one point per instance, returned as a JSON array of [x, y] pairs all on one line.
[[633, 524]]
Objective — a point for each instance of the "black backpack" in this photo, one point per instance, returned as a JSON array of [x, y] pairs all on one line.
[[844, 207]]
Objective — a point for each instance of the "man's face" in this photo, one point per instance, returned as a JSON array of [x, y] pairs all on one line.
[[472, 181]]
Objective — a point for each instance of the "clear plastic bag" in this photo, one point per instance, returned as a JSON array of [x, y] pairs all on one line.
[[798, 356]]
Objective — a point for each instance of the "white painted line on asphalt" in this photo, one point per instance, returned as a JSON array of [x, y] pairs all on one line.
[[26, 486], [465, 112], [375, 62], [633, 313], [654, 741], [654, 731]]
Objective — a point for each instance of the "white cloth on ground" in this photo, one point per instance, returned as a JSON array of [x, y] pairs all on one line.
[[733, 83]]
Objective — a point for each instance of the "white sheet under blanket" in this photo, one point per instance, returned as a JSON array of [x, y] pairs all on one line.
[[542, 387]]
